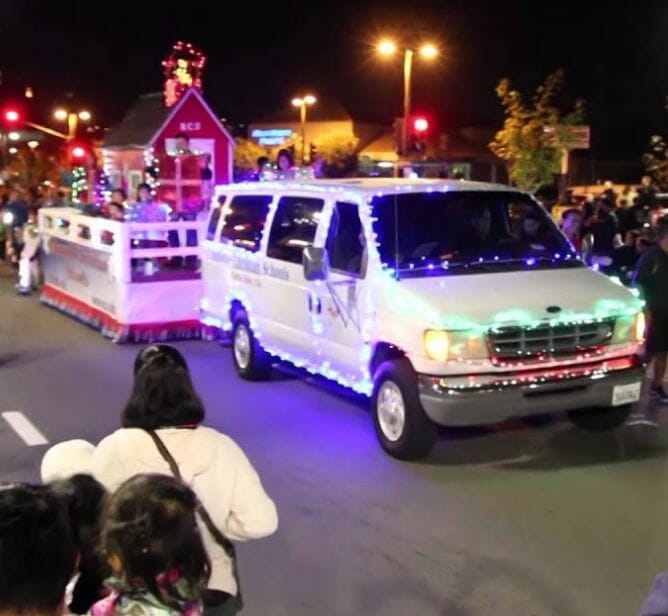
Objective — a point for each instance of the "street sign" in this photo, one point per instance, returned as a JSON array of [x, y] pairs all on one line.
[[569, 137]]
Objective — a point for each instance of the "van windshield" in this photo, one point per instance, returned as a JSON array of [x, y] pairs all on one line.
[[462, 232]]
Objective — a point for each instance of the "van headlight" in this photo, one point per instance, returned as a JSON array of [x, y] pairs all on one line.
[[639, 327], [444, 345], [629, 328]]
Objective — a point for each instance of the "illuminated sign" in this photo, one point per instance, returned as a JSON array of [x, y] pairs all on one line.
[[271, 136], [190, 126]]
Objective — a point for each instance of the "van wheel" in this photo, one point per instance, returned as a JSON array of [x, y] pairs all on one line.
[[250, 360], [402, 427], [600, 419]]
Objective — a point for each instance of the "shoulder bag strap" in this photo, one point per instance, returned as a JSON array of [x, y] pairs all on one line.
[[214, 531]]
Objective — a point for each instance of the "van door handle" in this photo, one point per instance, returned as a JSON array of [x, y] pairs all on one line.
[[314, 304]]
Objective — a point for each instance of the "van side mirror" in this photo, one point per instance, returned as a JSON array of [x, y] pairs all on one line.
[[315, 263], [588, 248]]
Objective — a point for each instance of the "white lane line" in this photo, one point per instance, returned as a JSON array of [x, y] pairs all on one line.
[[24, 428]]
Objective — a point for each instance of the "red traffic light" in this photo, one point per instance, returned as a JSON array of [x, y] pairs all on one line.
[[11, 116], [421, 125], [78, 152]]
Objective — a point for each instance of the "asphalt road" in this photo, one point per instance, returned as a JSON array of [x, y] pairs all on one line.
[[508, 521]]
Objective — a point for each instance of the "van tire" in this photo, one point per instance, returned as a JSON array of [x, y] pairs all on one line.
[[402, 427], [600, 419], [250, 360]]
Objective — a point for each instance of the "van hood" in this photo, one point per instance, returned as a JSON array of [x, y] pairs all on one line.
[[485, 300]]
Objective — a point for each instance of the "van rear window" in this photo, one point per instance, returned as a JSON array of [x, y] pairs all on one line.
[[244, 221]]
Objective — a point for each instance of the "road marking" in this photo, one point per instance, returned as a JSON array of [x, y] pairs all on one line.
[[24, 428]]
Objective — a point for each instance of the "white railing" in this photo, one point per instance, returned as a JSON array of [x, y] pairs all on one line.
[[123, 240]]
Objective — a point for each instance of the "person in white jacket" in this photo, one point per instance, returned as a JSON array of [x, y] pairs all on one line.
[[163, 399]]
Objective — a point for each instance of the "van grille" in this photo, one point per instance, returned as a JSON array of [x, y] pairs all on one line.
[[515, 342]]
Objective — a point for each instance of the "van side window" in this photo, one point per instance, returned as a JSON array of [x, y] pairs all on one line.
[[294, 227], [215, 217], [346, 245], [244, 222]]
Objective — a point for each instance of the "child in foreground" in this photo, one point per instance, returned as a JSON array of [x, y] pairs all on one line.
[[154, 550]]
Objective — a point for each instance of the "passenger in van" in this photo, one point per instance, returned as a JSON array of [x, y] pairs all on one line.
[[533, 232], [481, 223]]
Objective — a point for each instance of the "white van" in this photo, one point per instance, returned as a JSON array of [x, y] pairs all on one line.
[[448, 303]]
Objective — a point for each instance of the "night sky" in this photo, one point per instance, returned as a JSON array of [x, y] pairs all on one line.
[[262, 54]]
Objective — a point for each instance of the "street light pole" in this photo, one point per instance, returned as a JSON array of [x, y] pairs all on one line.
[[302, 114], [72, 125], [302, 102], [408, 71], [428, 51], [72, 120]]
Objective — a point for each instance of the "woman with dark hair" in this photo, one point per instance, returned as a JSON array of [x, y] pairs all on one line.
[[285, 165], [162, 433], [154, 550]]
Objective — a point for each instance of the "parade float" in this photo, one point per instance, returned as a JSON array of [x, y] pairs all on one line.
[[107, 274], [140, 281]]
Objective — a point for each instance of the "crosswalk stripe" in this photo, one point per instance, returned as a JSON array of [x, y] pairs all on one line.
[[18, 422]]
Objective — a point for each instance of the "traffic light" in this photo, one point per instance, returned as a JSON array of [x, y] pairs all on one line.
[[418, 141], [313, 152], [77, 153], [11, 116], [421, 126]]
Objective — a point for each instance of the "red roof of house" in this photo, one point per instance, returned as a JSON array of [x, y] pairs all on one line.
[[144, 121]]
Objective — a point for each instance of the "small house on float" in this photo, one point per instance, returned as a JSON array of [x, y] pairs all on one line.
[[182, 150]]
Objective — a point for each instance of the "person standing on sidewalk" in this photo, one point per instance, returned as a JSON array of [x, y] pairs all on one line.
[[651, 278]]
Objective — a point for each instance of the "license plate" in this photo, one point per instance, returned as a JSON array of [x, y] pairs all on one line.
[[625, 394]]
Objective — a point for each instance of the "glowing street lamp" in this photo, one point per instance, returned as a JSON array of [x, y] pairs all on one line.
[[387, 47], [14, 136], [72, 119], [428, 51], [302, 102]]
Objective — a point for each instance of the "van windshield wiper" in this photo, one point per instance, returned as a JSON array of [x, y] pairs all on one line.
[[483, 264], [524, 260], [443, 265]]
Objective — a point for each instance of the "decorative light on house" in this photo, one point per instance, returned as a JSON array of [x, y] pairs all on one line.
[[183, 69]]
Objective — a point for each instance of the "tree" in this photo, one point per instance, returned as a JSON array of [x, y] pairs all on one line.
[[531, 154], [338, 152], [656, 160], [246, 153]]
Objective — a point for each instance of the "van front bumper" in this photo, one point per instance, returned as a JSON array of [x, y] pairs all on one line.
[[491, 398]]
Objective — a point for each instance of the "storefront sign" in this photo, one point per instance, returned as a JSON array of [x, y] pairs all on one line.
[[271, 136]]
